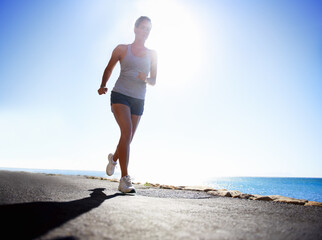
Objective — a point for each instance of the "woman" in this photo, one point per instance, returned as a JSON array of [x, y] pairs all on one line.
[[128, 94]]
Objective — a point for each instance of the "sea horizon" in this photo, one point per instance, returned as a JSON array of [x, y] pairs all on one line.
[[73, 172], [308, 188]]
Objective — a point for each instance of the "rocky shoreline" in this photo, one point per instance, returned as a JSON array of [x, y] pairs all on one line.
[[224, 193]]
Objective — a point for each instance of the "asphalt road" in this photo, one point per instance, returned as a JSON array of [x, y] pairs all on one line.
[[40, 206]]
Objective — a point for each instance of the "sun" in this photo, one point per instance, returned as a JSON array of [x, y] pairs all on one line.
[[177, 37]]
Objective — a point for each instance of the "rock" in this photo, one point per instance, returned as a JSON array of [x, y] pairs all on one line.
[[278, 198], [167, 187], [97, 178], [262, 198], [154, 185], [113, 180], [224, 193], [313, 203], [244, 196], [254, 196], [198, 188], [221, 193], [175, 187], [164, 186], [235, 193]]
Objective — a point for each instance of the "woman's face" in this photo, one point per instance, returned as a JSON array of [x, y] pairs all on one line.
[[143, 30]]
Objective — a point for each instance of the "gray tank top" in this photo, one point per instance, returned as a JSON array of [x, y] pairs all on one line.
[[128, 82]]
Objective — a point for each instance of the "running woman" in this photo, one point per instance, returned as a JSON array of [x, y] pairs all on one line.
[[128, 94]]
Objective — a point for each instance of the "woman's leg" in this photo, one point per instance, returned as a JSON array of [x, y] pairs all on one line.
[[135, 119], [122, 115]]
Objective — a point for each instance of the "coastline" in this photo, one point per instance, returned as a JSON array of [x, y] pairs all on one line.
[[198, 188], [224, 193]]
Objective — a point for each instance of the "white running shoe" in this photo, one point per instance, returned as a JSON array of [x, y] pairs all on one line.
[[111, 165], [126, 185]]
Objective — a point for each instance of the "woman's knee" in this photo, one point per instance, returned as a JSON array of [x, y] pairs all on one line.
[[126, 135]]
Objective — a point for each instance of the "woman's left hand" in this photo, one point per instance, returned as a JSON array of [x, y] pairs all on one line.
[[142, 76]]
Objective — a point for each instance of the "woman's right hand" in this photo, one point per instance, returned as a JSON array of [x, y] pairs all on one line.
[[102, 90]]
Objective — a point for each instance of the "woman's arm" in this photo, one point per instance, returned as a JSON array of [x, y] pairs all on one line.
[[116, 55], [153, 70]]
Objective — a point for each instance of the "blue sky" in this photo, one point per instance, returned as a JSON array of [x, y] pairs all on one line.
[[239, 87]]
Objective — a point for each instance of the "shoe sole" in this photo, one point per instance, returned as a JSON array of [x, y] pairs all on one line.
[[132, 191], [108, 173]]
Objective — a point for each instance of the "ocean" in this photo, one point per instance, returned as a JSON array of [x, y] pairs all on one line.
[[300, 188]]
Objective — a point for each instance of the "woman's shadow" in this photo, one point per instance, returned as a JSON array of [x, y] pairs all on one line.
[[33, 219]]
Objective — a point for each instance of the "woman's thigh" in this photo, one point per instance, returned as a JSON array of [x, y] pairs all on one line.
[[123, 118]]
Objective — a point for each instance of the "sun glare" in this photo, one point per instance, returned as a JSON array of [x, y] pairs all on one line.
[[177, 37]]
